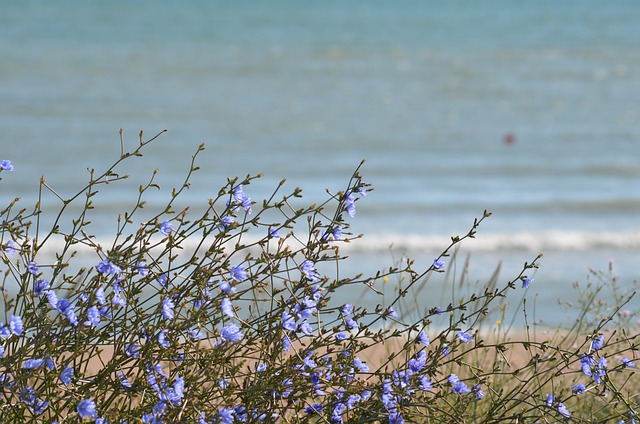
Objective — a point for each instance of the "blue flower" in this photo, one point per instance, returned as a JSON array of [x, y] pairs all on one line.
[[39, 406], [453, 379], [238, 193], [6, 165], [87, 409], [288, 321], [601, 370], [627, 362], [351, 323], [261, 367], [306, 328], [195, 334], [167, 308], [159, 407], [142, 268], [445, 349], [350, 204], [100, 296], [341, 336], [287, 387], [225, 222], [226, 287], [360, 365], [28, 395], [40, 286], [66, 375], [438, 264], [392, 312], [231, 333], [386, 386], [310, 303], [526, 282], [388, 400], [315, 380], [586, 364], [153, 381], [1, 351], [165, 228], [32, 268], [347, 309], [308, 271], [464, 337], [30, 364], [36, 405], [117, 298], [246, 204], [578, 389], [306, 309], [124, 381], [425, 383], [395, 418], [316, 408], [52, 298], [337, 233], [11, 247], [226, 415], [423, 338], [104, 311], [178, 386], [227, 307], [93, 317], [460, 388], [338, 410], [162, 338], [66, 307], [286, 343], [132, 350], [16, 325], [201, 419], [549, 401], [597, 343], [563, 410], [273, 232], [238, 273], [416, 364], [107, 267]]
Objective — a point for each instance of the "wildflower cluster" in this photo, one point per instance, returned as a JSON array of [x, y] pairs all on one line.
[[226, 318]]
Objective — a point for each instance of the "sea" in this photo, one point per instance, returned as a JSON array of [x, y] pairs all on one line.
[[527, 109]]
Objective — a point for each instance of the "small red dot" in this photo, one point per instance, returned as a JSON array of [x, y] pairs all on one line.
[[509, 138]]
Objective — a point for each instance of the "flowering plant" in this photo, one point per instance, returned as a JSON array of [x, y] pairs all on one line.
[[246, 326]]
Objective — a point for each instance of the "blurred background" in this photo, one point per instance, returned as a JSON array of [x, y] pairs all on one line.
[[527, 109]]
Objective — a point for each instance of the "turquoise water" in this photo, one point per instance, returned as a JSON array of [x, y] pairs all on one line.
[[425, 91]]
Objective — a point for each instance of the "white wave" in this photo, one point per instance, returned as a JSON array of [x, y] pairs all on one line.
[[524, 241], [538, 242]]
